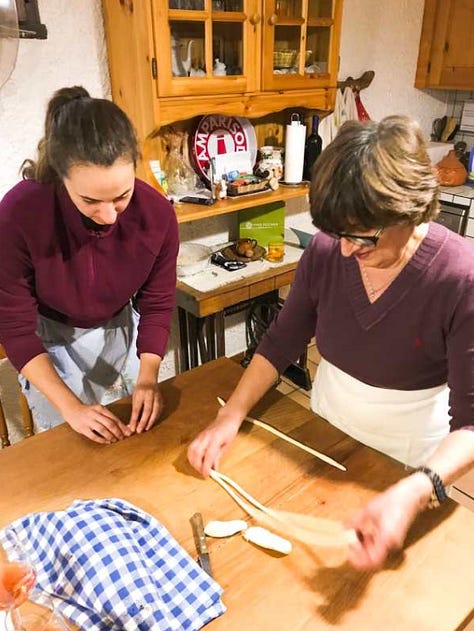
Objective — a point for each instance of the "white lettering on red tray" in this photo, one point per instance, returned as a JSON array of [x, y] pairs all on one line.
[[217, 134]]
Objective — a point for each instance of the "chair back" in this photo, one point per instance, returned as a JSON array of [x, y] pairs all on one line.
[[27, 420]]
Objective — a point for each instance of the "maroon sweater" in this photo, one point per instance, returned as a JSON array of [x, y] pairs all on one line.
[[418, 334], [52, 264]]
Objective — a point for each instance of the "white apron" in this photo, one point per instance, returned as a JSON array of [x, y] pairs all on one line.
[[407, 425]]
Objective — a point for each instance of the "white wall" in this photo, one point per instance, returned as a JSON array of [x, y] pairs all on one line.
[[380, 35], [73, 54], [383, 35]]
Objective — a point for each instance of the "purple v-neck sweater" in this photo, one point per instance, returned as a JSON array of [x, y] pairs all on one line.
[[52, 264], [418, 334]]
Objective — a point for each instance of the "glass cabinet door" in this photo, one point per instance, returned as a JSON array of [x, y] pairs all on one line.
[[206, 46], [300, 41]]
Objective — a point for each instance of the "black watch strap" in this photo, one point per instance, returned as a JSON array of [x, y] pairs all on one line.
[[439, 494]]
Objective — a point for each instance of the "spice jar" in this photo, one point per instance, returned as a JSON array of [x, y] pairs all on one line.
[[270, 161]]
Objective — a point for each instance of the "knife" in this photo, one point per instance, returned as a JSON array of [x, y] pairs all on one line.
[[201, 544], [292, 441]]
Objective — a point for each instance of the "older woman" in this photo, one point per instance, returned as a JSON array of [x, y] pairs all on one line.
[[81, 239], [389, 297]]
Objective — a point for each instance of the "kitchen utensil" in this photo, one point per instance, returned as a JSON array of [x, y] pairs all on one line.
[[448, 128], [452, 135], [201, 544], [229, 265], [438, 127], [307, 529], [202, 201], [9, 39], [459, 149], [288, 439]]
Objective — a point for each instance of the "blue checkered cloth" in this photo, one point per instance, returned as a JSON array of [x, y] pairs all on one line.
[[105, 565]]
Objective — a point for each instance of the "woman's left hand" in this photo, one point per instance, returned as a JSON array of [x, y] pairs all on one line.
[[383, 523], [147, 405]]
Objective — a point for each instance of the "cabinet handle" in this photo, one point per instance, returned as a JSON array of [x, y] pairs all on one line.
[[255, 19], [273, 19]]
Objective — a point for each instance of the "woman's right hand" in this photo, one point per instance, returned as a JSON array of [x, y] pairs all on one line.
[[206, 450], [97, 423]]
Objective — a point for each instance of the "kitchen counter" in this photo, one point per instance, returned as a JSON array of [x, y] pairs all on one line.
[[427, 587], [464, 190]]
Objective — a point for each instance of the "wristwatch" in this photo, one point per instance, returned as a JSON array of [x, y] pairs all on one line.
[[438, 494]]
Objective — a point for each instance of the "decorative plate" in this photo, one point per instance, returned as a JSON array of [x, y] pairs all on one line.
[[216, 134], [230, 253]]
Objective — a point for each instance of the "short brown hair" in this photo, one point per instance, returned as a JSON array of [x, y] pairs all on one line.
[[374, 175]]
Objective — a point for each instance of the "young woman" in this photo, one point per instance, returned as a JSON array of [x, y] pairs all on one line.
[[88, 257], [389, 297]]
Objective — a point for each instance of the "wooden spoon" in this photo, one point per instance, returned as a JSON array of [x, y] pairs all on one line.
[[288, 439]]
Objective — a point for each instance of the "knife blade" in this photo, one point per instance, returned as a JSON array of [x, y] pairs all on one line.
[[201, 543]]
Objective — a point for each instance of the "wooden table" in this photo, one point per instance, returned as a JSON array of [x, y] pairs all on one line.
[[428, 587]]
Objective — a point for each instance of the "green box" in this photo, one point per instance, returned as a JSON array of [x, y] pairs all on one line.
[[264, 223]]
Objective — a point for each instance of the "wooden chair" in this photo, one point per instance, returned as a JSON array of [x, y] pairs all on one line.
[[27, 420]]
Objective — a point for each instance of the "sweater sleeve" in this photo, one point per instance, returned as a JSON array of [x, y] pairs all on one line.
[[460, 350], [156, 298], [18, 305], [294, 326]]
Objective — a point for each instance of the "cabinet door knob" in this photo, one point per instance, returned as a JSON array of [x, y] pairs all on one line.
[[273, 19], [255, 19]]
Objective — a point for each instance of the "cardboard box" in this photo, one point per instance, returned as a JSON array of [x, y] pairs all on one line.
[[264, 223]]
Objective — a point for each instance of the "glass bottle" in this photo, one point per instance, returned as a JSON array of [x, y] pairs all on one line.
[[313, 148], [180, 176]]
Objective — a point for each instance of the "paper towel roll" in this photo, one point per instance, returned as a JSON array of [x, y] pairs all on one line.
[[294, 150]]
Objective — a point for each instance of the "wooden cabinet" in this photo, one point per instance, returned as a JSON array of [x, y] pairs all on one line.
[[300, 44], [271, 55], [446, 54], [206, 48]]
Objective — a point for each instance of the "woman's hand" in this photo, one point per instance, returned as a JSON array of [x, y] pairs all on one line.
[[207, 449], [147, 405], [96, 422], [383, 523]]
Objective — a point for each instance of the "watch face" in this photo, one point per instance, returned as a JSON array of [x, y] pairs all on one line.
[[216, 135]]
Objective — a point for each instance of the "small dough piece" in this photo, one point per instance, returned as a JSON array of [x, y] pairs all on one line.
[[225, 528], [266, 539]]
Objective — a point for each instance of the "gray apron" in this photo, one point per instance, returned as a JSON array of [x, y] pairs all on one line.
[[99, 364]]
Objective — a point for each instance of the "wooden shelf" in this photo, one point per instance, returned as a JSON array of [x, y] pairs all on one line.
[[193, 212], [317, 95]]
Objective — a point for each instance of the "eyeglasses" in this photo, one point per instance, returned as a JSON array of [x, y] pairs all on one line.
[[369, 242]]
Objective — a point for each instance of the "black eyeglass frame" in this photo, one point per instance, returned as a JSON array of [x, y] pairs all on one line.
[[369, 241]]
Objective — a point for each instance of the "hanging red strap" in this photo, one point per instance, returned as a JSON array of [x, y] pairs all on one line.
[[361, 111]]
